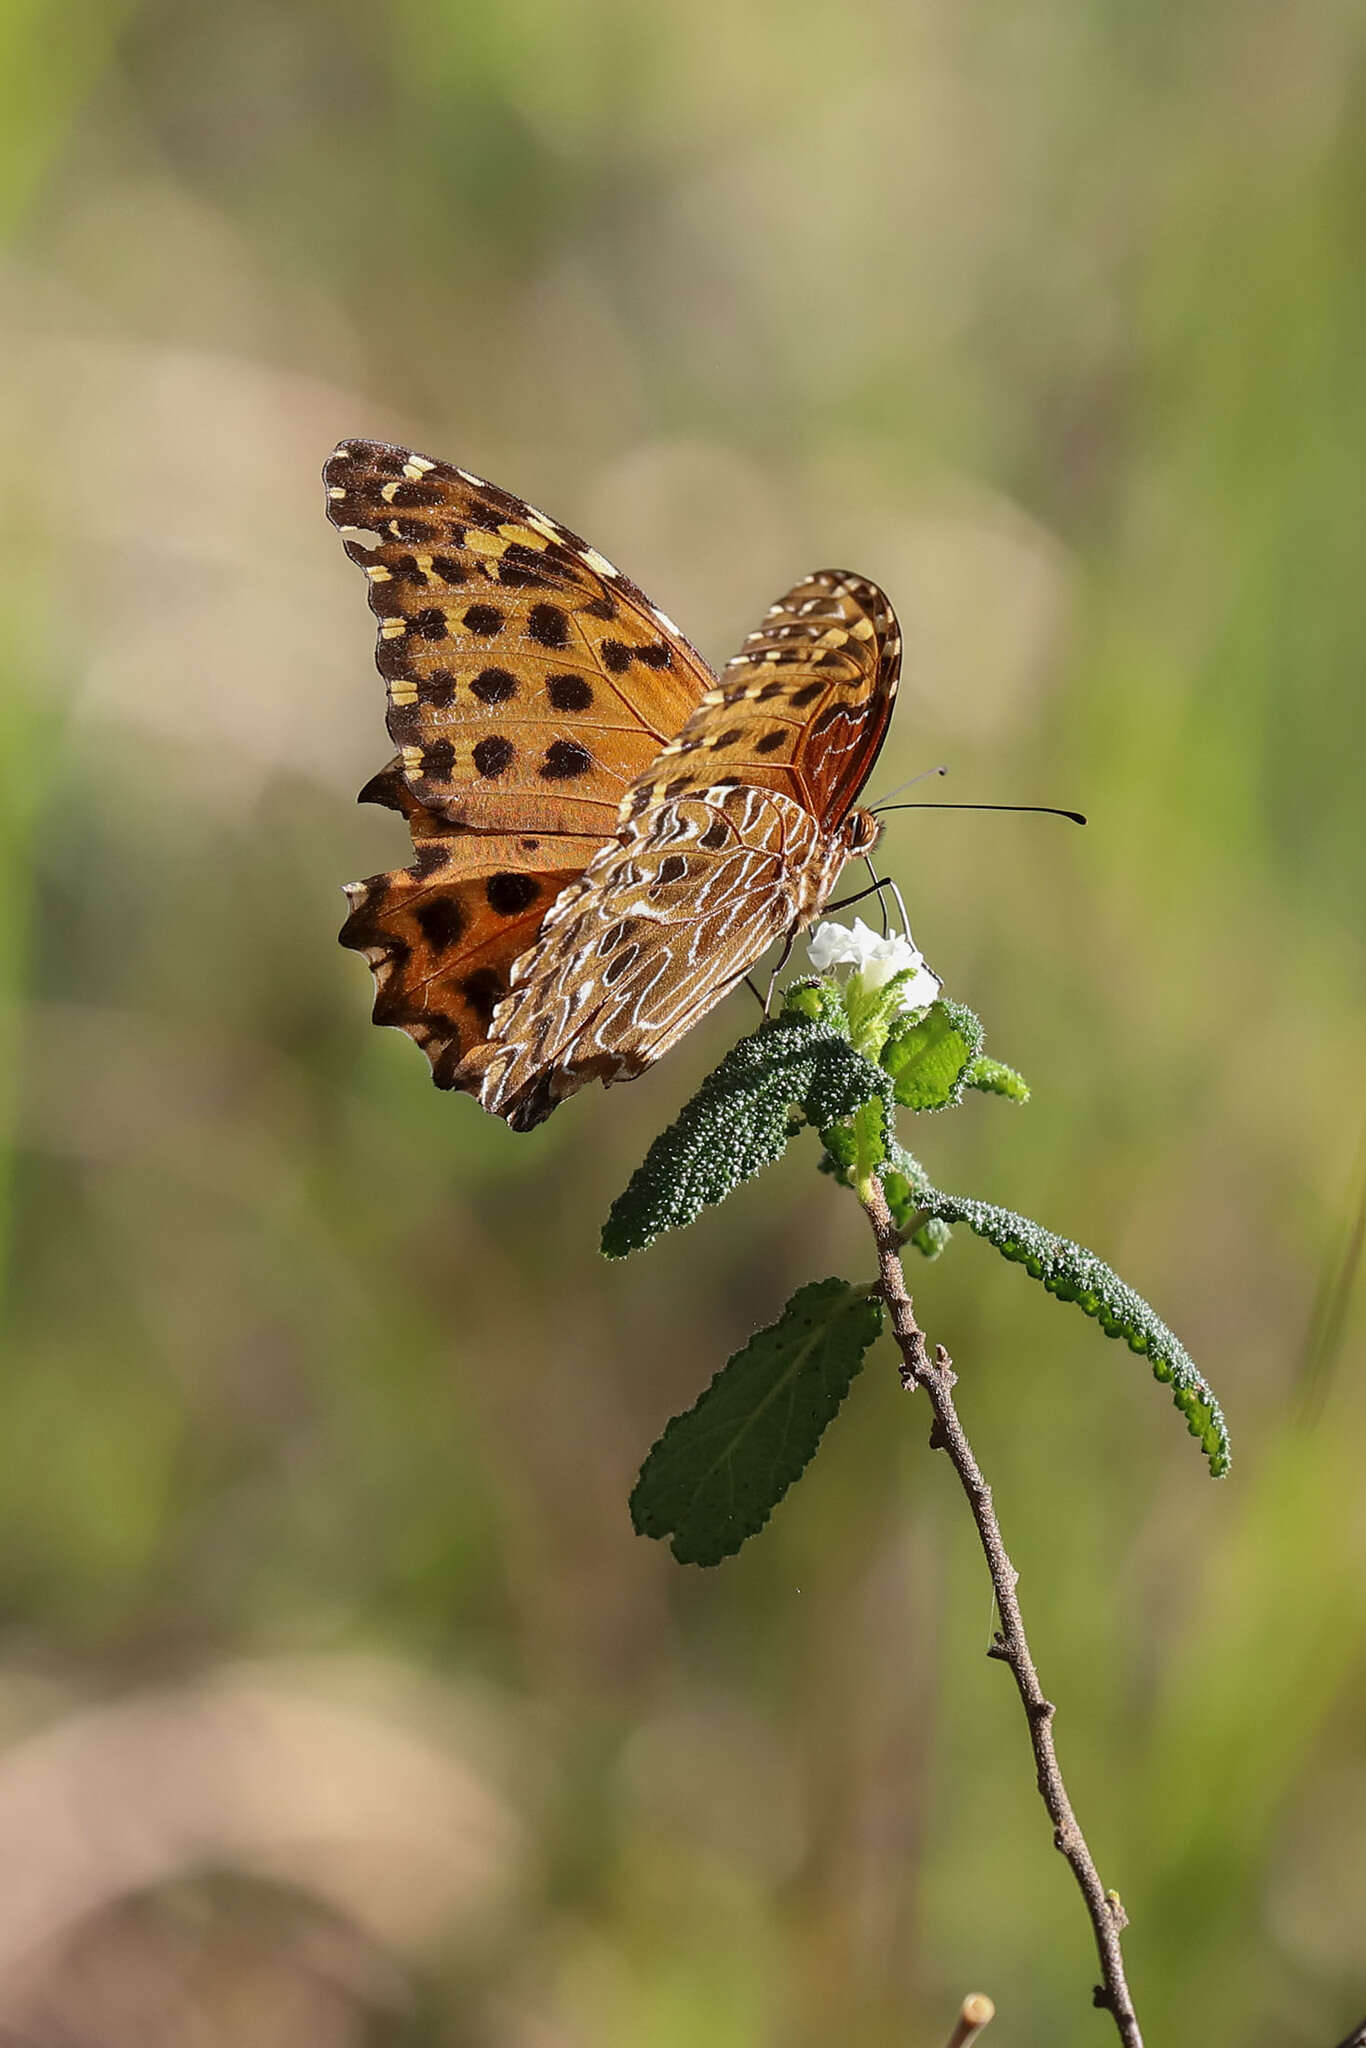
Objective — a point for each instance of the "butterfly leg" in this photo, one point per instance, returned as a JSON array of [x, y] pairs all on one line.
[[783, 959]]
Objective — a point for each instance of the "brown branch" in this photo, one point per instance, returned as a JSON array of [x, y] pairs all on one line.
[[1010, 1644]]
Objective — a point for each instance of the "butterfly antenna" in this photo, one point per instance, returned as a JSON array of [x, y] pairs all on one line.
[[1043, 810], [942, 769]]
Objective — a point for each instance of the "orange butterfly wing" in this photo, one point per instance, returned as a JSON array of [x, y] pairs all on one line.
[[709, 866], [441, 936], [529, 681], [803, 707]]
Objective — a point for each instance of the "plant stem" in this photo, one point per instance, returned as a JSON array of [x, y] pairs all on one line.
[[1010, 1644]]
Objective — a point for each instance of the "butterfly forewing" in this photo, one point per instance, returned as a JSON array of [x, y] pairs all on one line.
[[803, 707], [526, 675]]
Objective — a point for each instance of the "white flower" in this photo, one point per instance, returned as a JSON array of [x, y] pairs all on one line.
[[874, 960]]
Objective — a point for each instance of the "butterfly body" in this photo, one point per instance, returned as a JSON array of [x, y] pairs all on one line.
[[606, 835]]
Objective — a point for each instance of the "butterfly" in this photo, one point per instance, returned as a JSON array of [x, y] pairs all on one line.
[[606, 835]]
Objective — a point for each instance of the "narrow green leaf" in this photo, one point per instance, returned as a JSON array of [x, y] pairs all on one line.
[[1074, 1274], [928, 1059], [718, 1471], [993, 1077], [738, 1122]]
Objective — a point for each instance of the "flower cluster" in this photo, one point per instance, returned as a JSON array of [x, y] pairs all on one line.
[[873, 961]]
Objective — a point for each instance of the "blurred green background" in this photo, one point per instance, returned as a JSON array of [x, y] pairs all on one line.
[[338, 1701]]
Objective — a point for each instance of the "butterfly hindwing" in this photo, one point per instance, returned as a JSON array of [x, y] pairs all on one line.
[[441, 936], [662, 924]]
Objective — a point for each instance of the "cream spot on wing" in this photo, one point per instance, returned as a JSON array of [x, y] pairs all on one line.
[[863, 630], [481, 543], [393, 629], [524, 536], [412, 760], [335, 491], [542, 524], [417, 466], [599, 564], [378, 573], [664, 619], [835, 636]]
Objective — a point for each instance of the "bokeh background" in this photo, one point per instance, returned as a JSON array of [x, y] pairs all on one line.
[[338, 1702]]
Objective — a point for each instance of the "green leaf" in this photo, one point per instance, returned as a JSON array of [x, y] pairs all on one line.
[[928, 1059], [994, 1078], [718, 1472], [932, 1237], [738, 1122], [1074, 1274]]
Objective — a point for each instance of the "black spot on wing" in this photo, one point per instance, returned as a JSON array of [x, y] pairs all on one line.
[[441, 921], [569, 693], [437, 689], [483, 990], [494, 685], [438, 760], [509, 894], [492, 756], [565, 759], [484, 619], [548, 625]]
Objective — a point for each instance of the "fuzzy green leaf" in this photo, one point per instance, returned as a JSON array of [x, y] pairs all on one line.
[[718, 1471], [993, 1077], [1074, 1274], [738, 1122], [928, 1059]]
